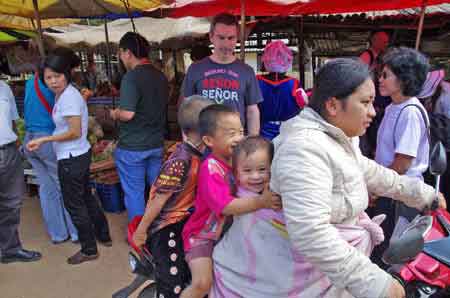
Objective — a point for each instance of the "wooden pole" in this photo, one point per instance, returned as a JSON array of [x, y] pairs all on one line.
[[108, 53], [39, 29], [108, 64], [420, 29], [175, 67], [126, 3], [242, 32], [259, 46], [301, 54]]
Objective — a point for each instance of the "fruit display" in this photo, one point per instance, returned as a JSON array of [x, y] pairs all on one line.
[[103, 150], [103, 169], [104, 172], [95, 131]]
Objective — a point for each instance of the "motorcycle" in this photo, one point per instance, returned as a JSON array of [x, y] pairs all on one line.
[[142, 265], [420, 255]]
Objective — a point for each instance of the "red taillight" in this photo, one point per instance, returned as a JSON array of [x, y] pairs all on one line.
[[428, 267]]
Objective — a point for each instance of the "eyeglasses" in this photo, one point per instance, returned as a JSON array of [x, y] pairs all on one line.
[[384, 75]]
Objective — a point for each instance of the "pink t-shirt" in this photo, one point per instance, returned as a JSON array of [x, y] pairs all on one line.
[[213, 195]]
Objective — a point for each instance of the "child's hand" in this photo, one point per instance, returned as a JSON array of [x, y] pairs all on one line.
[[139, 237], [271, 199]]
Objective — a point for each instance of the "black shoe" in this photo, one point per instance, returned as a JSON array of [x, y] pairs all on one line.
[[80, 257], [21, 255]]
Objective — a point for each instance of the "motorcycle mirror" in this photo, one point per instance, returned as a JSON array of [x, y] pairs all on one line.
[[403, 249], [438, 160]]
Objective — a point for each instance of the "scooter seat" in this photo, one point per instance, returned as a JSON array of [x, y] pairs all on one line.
[[439, 249]]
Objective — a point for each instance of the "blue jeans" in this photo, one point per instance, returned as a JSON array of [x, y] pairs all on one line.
[[57, 219], [136, 170]]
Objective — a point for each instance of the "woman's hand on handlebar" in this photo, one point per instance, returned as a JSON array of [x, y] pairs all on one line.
[[139, 237], [396, 290], [441, 201]]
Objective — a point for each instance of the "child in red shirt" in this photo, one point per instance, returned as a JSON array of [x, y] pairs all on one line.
[[170, 202], [221, 130]]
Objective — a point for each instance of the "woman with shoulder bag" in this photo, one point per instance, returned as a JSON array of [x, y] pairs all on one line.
[[73, 152]]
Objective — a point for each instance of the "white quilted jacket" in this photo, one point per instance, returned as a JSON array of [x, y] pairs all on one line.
[[324, 180]]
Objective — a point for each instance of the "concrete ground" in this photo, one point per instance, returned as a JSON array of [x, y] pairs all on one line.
[[52, 277]]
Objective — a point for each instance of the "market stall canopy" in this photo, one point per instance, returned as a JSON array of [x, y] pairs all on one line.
[[9, 35], [154, 30], [76, 8], [21, 23], [202, 8]]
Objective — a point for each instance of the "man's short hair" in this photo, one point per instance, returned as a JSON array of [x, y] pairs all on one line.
[[136, 43], [223, 18], [210, 117], [189, 112]]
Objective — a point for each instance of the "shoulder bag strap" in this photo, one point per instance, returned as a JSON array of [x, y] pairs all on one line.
[[427, 126], [40, 95]]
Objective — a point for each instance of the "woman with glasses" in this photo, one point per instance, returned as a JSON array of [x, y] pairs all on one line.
[[402, 140]]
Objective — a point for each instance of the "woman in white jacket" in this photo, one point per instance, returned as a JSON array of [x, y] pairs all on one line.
[[324, 181]]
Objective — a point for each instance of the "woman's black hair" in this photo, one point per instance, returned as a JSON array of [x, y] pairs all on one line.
[[409, 66], [59, 64], [75, 61], [338, 78]]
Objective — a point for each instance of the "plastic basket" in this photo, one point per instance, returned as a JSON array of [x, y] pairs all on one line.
[[111, 196]]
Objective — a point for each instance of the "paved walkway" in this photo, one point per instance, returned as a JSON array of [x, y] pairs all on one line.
[[52, 277]]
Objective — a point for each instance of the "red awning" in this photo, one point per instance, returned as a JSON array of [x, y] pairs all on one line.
[[202, 8]]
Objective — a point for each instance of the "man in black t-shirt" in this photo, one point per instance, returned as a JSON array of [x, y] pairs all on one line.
[[142, 119]]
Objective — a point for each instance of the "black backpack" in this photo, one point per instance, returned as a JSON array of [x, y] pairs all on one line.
[[440, 129]]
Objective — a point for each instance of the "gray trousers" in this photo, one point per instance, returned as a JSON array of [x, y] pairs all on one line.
[[12, 187]]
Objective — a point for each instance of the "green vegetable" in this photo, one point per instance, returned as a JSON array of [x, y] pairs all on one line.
[[20, 125]]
